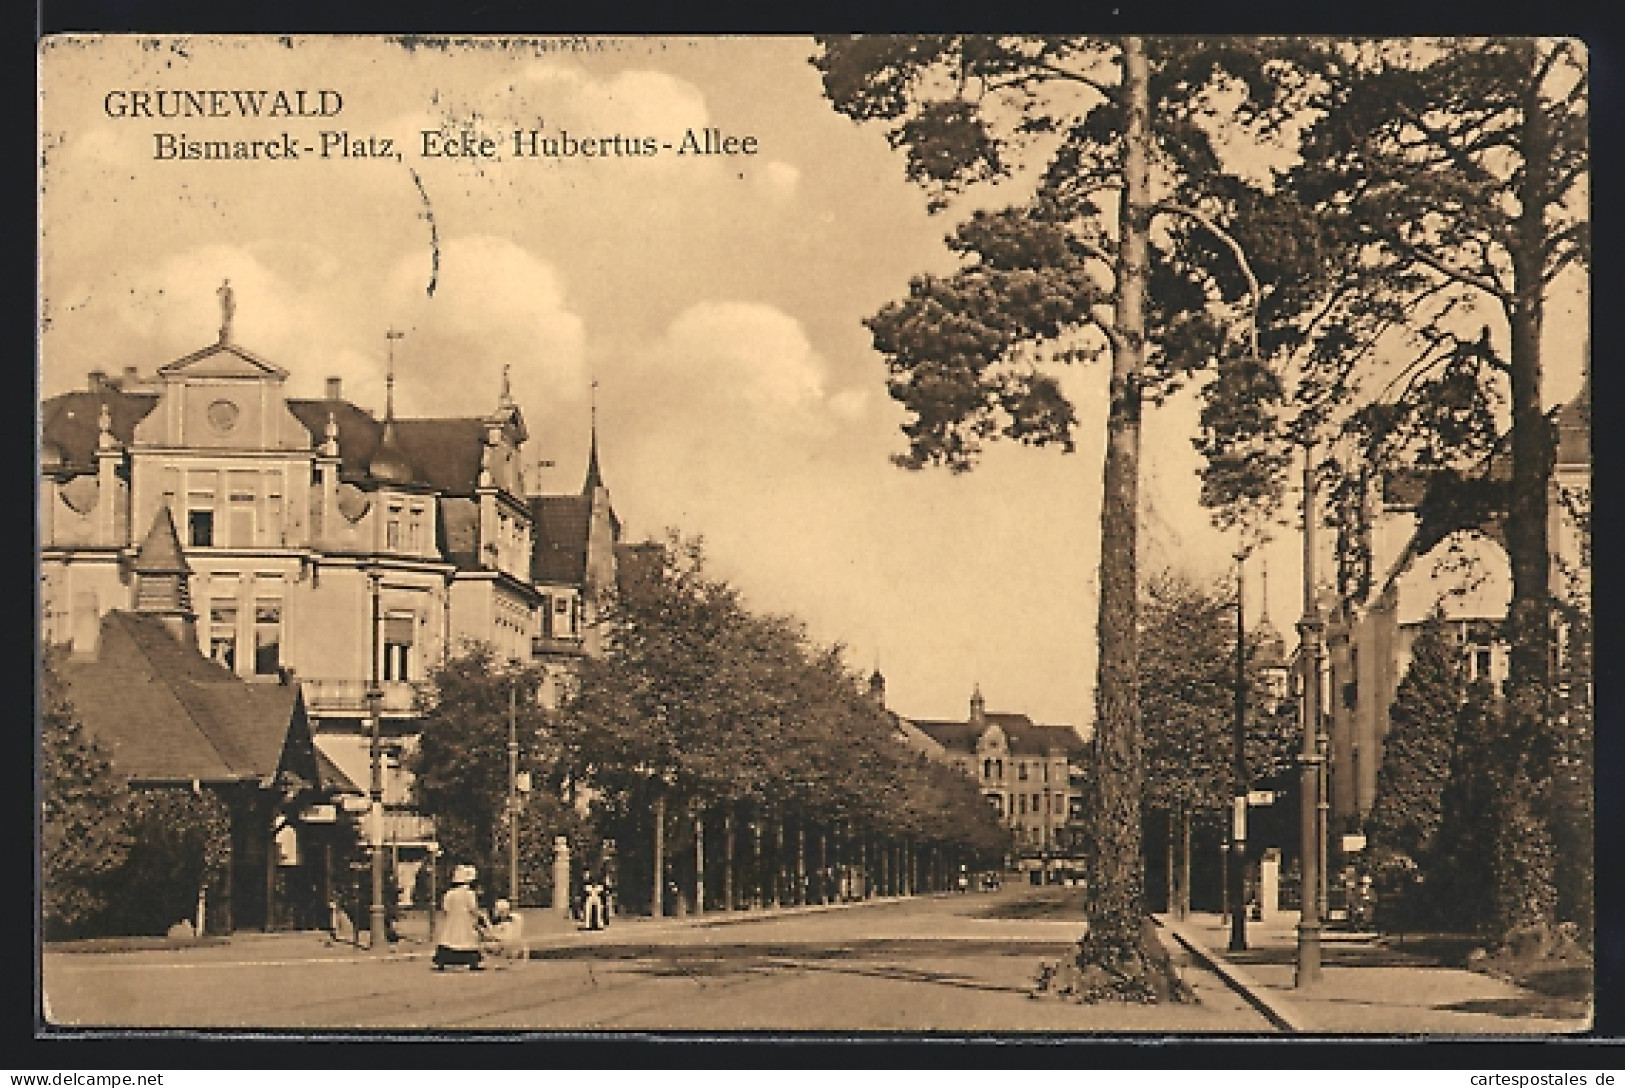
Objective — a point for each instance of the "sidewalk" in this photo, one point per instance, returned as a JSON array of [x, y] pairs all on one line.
[[543, 929], [1367, 985]]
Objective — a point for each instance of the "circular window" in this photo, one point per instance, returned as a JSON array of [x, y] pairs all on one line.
[[223, 415]]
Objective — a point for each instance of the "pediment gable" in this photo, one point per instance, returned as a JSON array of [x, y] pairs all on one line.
[[222, 360]]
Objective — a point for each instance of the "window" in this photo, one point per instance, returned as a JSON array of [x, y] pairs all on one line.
[[398, 633], [1021, 771], [414, 530], [987, 768], [267, 636], [1021, 802], [200, 495], [200, 528], [223, 633], [244, 490], [998, 768], [1481, 663], [273, 509]]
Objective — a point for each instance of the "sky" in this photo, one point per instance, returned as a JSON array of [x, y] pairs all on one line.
[[716, 301]]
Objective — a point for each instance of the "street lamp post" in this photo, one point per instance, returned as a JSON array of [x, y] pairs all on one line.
[[1238, 818], [513, 790], [1310, 651], [375, 811]]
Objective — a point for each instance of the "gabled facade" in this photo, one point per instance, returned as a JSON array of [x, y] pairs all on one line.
[[323, 545], [1030, 774], [168, 717], [1463, 576]]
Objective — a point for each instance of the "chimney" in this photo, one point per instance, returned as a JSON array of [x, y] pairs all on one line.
[[98, 379], [132, 377], [335, 389]]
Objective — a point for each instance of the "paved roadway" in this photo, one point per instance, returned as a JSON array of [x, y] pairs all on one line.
[[961, 963]]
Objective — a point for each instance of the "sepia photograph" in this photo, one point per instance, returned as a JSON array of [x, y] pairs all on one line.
[[856, 535]]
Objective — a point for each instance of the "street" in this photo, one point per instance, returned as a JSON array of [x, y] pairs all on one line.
[[957, 963]]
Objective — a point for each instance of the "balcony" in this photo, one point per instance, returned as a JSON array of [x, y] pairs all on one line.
[[548, 646], [350, 697]]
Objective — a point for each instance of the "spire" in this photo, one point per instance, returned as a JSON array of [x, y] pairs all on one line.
[[330, 434], [389, 463], [595, 478], [228, 307], [506, 399], [161, 552], [978, 706], [877, 688], [161, 573]]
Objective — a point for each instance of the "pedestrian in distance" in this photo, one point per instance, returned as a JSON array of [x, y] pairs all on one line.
[[593, 913], [459, 943]]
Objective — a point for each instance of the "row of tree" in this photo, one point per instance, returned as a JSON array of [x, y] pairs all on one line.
[[1385, 221], [1188, 699], [726, 757]]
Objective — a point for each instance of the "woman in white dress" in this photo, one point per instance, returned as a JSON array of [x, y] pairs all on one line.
[[460, 932]]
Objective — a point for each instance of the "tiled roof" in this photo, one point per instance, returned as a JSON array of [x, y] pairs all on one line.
[[358, 431], [69, 421], [444, 453], [166, 713], [1025, 736], [561, 523], [1574, 429], [161, 552]]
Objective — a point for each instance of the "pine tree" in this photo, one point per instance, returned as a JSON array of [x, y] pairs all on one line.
[[1416, 754], [1461, 865], [82, 840]]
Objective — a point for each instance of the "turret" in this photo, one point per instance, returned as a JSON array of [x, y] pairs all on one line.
[[162, 577]]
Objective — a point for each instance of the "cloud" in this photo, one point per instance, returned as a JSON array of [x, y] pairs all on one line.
[[746, 352], [298, 307], [494, 304], [149, 315], [780, 179]]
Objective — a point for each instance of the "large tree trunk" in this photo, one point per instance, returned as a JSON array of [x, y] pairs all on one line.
[[1524, 876], [1116, 895]]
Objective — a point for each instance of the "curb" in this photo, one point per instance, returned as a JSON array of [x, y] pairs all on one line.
[[1276, 1011]]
